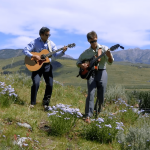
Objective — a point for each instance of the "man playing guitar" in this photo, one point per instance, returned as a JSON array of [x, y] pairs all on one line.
[[46, 70], [99, 78]]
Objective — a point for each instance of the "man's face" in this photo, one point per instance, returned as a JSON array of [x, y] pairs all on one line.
[[93, 42], [45, 36]]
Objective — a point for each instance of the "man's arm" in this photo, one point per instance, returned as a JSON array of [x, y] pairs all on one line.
[[58, 54], [29, 48], [80, 59], [109, 55]]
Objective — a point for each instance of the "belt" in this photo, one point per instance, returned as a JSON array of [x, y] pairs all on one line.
[[101, 69]]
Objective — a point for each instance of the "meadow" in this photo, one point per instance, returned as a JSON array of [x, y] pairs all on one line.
[[122, 124], [131, 76]]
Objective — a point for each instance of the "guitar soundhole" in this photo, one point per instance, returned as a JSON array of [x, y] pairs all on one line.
[[43, 56], [41, 61]]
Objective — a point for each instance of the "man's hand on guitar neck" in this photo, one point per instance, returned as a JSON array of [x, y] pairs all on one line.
[[64, 49], [110, 59]]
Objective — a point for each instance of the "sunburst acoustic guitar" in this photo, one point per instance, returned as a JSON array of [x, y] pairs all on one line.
[[33, 65]]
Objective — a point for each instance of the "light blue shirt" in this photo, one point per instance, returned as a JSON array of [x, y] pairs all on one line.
[[38, 45]]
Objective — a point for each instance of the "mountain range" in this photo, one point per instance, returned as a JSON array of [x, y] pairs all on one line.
[[10, 53], [135, 55]]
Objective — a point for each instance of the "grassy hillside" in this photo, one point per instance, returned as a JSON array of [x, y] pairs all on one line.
[[10, 53], [39, 120], [117, 127], [132, 76]]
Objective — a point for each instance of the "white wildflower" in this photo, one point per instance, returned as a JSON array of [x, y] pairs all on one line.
[[66, 118], [78, 113], [50, 114], [100, 120], [98, 126], [109, 125]]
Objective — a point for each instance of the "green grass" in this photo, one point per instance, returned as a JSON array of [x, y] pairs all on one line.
[[62, 134], [122, 80], [37, 118]]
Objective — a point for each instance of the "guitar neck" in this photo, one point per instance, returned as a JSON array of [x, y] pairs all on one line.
[[111, 49], [99, 57], [51, 53]]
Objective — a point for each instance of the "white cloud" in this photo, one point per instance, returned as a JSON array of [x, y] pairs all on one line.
[[116, 21], [19, 42]]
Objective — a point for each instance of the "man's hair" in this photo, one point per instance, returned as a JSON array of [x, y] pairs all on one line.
[[43, 30], [91, 35]]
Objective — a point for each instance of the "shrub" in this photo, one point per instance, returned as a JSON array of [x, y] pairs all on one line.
[[7, 95], [114, 92], [133, 97], [127, 116], [144, 98], [62, 119], [137, 138], [102, 130]]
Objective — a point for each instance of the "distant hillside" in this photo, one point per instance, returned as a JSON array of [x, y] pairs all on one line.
[[135, 55], [10, 53], [67, 56], [22, 68], [132, 76], [55, 65]]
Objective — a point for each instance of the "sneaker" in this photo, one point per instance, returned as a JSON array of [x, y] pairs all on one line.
[[31, 106], [87, 120], [46, 108]]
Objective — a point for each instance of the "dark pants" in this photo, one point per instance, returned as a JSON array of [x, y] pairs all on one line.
[[46, 71]]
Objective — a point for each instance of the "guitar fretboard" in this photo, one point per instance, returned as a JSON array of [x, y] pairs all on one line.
[[51, 53]]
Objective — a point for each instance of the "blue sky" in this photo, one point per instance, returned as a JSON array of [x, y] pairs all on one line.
[[124, 22]]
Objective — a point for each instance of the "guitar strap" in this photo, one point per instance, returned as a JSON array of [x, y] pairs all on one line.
[[49, 46], [99, 52]]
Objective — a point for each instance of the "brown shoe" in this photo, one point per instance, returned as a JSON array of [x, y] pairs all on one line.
[[87, 120], [31, 106]]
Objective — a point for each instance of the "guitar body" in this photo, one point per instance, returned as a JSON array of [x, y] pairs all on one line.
[[33, 65], [86, 73]]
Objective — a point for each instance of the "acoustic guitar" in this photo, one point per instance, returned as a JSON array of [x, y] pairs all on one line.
[[92, 63], [33, 65]]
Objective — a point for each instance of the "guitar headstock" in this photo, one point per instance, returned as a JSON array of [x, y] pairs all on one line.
[[71, 45], [115, 47]]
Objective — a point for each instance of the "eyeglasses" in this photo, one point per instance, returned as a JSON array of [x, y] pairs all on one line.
[[48, 35], [93, 41]]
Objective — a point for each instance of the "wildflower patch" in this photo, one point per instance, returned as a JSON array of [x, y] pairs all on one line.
[[7, 95], [62, 118], [102, 129]]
